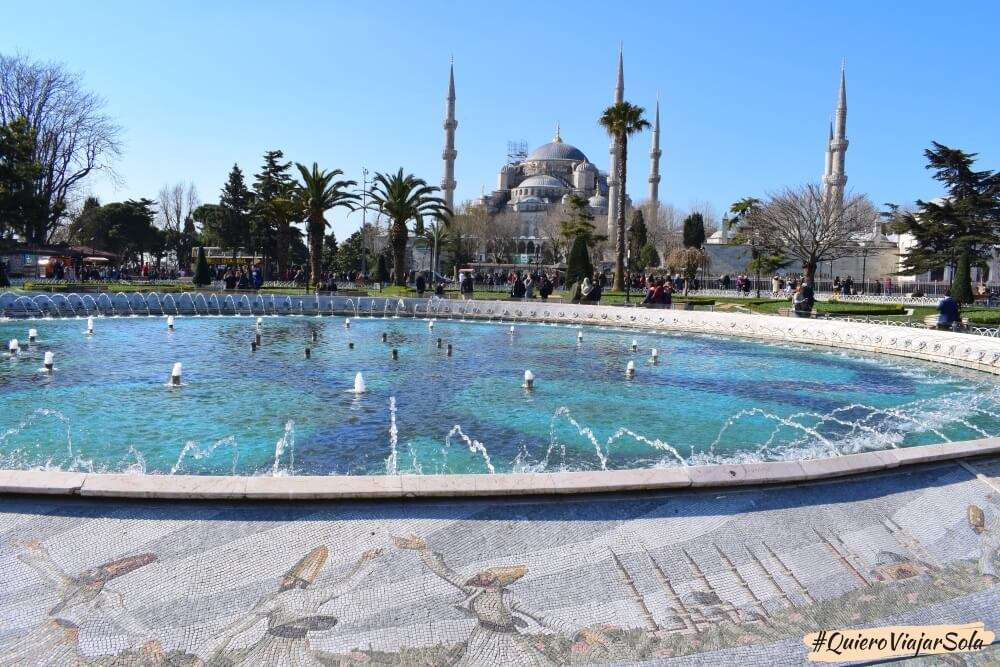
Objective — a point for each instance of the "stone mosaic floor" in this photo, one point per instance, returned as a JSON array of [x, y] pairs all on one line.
[[710, 577]]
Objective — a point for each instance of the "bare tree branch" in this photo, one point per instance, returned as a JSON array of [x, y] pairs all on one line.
[[75, 137]]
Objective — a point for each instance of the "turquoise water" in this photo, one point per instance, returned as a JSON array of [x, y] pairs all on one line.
[[107, 406]]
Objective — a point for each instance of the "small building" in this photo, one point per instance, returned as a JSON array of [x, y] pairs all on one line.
[[48, 261]]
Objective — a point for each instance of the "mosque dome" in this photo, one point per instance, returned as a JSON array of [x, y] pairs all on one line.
[[542, 181], [556, 150], [598, 200], [585, 166]]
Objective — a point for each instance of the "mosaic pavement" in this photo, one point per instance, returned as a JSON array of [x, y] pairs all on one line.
[[708, 577]]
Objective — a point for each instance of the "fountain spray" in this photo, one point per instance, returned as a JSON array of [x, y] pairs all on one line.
[[90, 326], [359, 384], [511, 330], [430, 325], [347, 323], [654, 355], [175, 375], [170, 322], [630, 370], [579, 336], [32, 335], [529, 380], [49, 363], [635, 345], [13, 347]]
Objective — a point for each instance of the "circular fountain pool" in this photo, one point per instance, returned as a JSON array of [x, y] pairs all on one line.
[[108, 406]]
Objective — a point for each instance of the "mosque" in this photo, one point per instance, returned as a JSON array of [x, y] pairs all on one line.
[[532, 188], [542, 182]]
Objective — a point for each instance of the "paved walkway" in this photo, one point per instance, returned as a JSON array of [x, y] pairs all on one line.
[[695, 577]]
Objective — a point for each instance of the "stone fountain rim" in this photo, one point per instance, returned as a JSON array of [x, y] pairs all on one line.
[[367, 487], [971, 352]]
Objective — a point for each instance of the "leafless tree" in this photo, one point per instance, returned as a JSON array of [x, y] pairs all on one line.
[[550, 231], [802, 223], [661, 225], [708, 214], [177, 202], [500, 237], [74, 135]]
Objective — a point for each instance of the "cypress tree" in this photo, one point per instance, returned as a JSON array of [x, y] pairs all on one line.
[[694, 231], [578, 264], [202, 276]]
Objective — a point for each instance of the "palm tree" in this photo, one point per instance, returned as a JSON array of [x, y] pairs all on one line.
[[621, 120], [319, 192], [435, 235], [405, 198]]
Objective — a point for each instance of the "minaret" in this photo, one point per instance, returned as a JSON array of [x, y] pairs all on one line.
[[612, 183], [836, 179], [654, 162], [449, 154]]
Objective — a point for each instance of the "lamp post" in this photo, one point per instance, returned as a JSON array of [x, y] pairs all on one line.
[[364, 222], [864, 264]]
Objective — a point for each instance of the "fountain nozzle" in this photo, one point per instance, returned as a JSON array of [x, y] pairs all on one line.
[[511, 330], [347, 323], [385, 337], [630, 370], [529, 380], [430, 325], [13, 347], [308, 353], [635, 345], [32, 335], [170, 322], [90, 326], [49, 362], [175, 375], [579, 336], [395, 354]]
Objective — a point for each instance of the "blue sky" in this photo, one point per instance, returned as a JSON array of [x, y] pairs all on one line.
[[746, 88]]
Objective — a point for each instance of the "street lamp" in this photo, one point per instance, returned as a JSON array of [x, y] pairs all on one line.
[[364, 220], [864, 264]]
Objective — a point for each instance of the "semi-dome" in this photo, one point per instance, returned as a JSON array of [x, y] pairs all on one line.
[[585, 166], [542, 181], [557, 150]]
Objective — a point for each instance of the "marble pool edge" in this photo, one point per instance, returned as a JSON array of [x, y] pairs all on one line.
[[361, 487]]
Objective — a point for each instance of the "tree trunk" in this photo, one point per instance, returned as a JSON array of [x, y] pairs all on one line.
[[961, 282], [398, 235], [316, 227], [281, 251], [810, 269], [620, 158]]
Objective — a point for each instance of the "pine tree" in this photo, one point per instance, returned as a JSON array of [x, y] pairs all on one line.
[[235, 202], [694, 231], [959, 230], [272, 210], [202, 276], [578, 264]]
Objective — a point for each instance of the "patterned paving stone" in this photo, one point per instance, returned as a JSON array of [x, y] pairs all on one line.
[[689, 576]]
